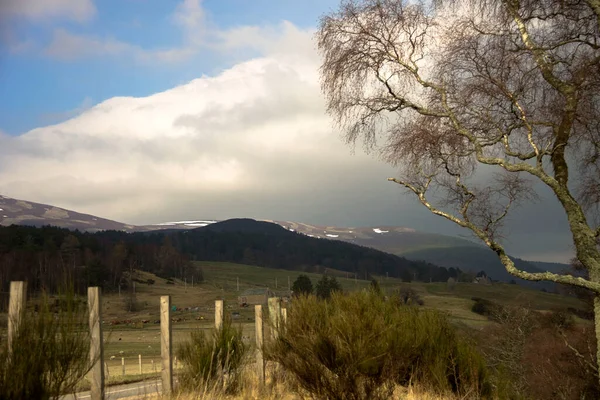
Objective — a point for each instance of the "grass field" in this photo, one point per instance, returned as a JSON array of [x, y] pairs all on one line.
[[221, 281]]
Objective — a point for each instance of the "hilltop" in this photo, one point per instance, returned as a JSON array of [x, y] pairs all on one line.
[[443, 250]]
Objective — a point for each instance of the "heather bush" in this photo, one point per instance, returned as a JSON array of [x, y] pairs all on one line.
[[360, 346]]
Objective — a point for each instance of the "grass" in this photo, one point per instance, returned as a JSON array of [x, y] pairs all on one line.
[[221, 282]]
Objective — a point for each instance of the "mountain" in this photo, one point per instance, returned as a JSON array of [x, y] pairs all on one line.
[[443, 250], [21, 212], [247, 241], [557, 268]]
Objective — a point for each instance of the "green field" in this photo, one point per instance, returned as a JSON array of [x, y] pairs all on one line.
[[129, 341]]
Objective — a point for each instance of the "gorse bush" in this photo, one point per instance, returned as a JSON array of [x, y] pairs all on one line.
[[50, 352], [208, 358], [360, 346]]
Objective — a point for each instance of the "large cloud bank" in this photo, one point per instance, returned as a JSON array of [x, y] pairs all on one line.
[[255, 135]]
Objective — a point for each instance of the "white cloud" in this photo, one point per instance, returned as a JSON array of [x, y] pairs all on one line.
[[39, 10], [190, 15], [256, 132]]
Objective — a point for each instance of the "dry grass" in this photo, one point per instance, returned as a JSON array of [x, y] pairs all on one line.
[[280, 388]]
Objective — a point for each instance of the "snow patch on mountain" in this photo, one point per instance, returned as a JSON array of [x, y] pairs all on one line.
[[377, 230]]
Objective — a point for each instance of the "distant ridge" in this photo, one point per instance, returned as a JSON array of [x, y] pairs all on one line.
[[438, 249]]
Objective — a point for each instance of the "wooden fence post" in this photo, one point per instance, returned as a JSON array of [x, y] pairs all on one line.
[[260, 361], [16, 307], [123, 364], [96, 344], [218, 314], [274, 315], [166, 345], [140, 358]]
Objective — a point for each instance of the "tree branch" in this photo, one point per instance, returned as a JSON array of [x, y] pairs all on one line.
[[577, 353], [498, 249]]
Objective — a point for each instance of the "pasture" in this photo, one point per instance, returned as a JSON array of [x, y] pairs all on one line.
[[126, 336]]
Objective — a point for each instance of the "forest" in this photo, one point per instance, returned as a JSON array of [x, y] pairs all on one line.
[[49, 257]]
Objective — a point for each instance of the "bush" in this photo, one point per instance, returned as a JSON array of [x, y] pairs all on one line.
[[360, 346], [302, 285], [583, 314], [50, 352], [208, 358], [326, 286], [486, 307], [406, 297], [374, 287], [532, 350]]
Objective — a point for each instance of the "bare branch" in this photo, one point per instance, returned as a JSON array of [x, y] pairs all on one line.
[[498, 249], [587, 362]]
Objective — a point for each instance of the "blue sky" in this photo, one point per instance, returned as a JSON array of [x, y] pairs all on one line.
[[38, 87]]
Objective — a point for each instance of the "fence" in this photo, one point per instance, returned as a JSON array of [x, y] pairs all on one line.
[[100, 369]]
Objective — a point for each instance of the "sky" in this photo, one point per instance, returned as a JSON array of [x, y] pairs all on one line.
[[146, 111]]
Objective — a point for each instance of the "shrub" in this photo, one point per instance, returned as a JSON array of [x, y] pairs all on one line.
[[302, 285], [486, 307], [326, 286], [207, 358], [407, 296], [360, 346], [50, 352], [583, 314], [544, 356], [374, 287]]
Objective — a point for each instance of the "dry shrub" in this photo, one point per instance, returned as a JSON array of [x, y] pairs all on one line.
[[360, 346], [406, 296], [556, 371], [51, 352], [213, 361], [545, 356]]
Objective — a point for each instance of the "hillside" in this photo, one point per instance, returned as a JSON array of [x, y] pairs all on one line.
[[267, 244], [46, 256], [447, 251], [477, 259]]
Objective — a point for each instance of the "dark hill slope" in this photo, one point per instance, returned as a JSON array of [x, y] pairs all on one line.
[[269, 245], [475, 259]]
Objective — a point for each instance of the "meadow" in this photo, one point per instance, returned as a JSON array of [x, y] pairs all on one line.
[[195, 304]]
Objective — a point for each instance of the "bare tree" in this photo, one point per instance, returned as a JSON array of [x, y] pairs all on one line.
[[453, 91]]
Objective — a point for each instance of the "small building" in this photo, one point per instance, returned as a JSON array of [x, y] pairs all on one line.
[[250, 297]]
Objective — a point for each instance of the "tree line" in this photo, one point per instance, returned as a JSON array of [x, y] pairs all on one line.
[[48, 257]]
